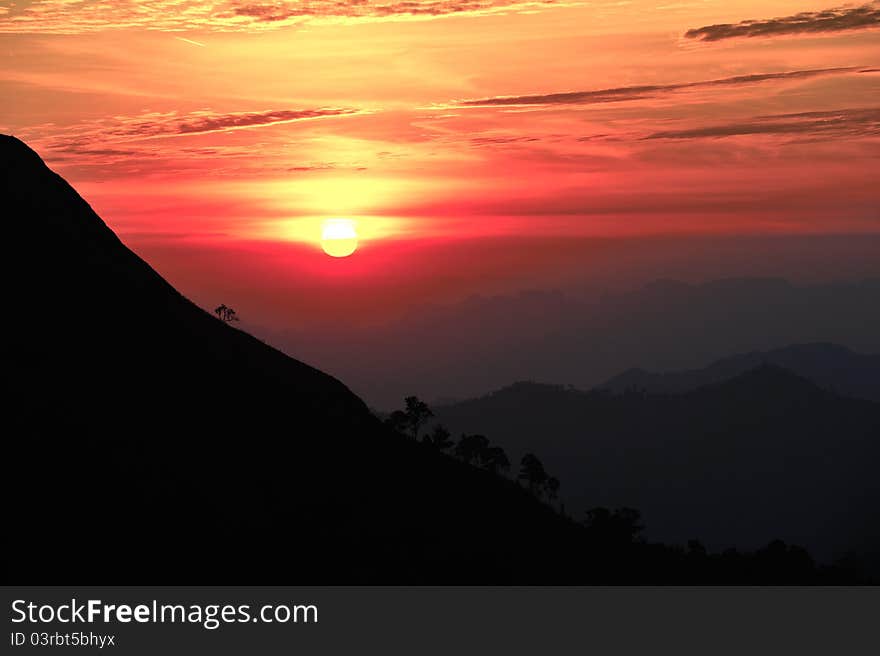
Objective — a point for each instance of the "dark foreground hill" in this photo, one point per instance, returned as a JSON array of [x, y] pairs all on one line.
[[830, 366], [147, 441], [765, 454], [147, 438]]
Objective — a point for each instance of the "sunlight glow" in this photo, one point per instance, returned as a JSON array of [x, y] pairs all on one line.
[[339, 237], [310, 229]]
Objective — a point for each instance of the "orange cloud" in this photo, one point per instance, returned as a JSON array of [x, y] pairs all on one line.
[[85, 16]]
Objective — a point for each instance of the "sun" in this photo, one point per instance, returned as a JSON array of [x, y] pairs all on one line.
[[339, 237]]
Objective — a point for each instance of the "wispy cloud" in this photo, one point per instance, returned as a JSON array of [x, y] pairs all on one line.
[[198, 123], [173, 124], [121, 140], [190, 41], [809, 22], [619, 94], [829, 124], [84, 16], [324, 166]]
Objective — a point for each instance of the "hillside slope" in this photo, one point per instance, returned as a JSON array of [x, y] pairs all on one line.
[[148, 439]]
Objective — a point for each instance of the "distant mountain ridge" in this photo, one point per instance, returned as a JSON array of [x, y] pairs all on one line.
[[586, 340], [831, 366], [766, 451]]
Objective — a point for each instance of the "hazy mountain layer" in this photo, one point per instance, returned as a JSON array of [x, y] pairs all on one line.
[[764, 453], [464, 350], [830, 366]]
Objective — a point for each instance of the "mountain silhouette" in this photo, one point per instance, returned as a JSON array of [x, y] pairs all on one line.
[[830, 366], [765, 454], [585, 338], [148, 438]]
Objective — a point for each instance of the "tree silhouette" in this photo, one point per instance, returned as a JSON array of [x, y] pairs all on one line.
[[225, 313], [494, 459], [417, 413], [552, 488], [696, 549], [532, 472], [410, 420], [470, 448], [439, 438]]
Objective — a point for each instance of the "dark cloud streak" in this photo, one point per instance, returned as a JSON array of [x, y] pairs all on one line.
[[222, 122], [838, 19], [620, 94], [832, 124]]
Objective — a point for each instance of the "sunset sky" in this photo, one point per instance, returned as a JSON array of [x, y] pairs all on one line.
[[481, 146]]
